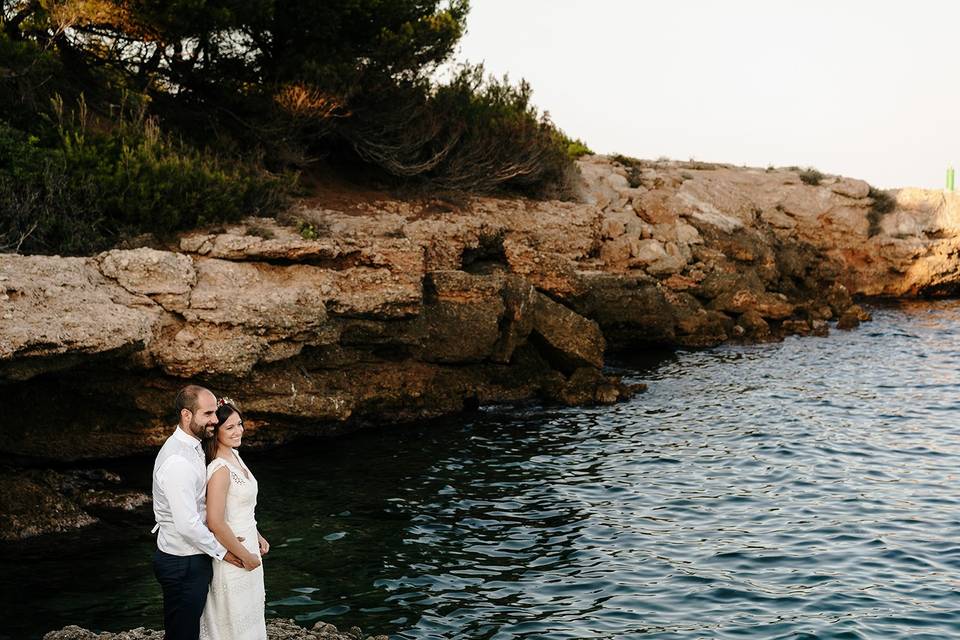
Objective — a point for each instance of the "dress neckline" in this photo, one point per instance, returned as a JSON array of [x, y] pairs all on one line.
[[242, 468]]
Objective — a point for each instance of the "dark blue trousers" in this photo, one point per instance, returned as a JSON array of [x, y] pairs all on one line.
[[185, 581]]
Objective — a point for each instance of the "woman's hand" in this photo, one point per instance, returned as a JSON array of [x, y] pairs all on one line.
[[251, 562], [264, 545]]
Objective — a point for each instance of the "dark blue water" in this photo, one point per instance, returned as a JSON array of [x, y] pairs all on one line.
[[807, 489]]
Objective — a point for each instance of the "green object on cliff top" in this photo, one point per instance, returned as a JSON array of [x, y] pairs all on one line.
[[950, 177]]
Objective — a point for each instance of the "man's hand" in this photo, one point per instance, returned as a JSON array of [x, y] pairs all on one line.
[[251, 563], [264, 545], [234, 560]]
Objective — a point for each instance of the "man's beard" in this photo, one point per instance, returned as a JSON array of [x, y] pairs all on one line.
[[199, 431]]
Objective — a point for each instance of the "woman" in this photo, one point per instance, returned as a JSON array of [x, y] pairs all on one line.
[[235, 604]]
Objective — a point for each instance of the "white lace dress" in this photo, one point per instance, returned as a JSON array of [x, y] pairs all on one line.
[[235, 603]]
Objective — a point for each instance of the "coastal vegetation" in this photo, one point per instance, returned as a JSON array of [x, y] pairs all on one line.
[[122, 118], [811, 176], [883, 203]]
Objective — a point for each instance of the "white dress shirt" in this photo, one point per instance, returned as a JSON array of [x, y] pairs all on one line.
[[180, 499]]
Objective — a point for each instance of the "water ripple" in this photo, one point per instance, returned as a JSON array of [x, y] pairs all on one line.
[[806, 489]]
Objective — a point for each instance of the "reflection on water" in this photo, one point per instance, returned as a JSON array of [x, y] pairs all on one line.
[[797, 490]]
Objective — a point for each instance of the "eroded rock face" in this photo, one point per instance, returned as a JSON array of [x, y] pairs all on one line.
[[57, 312], [396, 311], [305, 348]]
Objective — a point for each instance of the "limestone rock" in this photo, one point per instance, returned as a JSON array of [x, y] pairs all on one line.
[[260, 297], [587, 386], [848, 320], [862, 314], [657, 258], [851, 188], [617, 252], [571, 340], [820, 328], [768, 305], [148, 271], [551, 272], [202, 348], [57, 312], [796, 327], [630, 310], [754, 326], [277, 629], [699, 327], [473, 304]]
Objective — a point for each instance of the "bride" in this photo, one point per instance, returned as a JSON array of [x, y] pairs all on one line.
[[235, 603]]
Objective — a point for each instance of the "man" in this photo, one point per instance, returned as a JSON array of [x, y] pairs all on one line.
[[182, 562]]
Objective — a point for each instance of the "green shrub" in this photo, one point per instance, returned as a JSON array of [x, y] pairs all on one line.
[[492, 112], [240, 88], [87, 189], [626, 161], [811, 176], [633, 167], [307, 231], [42, 209], [471, 134], [883, 203], [577, 148], [259, 231]]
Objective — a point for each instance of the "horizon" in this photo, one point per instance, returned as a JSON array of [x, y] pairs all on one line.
[[859, 89]]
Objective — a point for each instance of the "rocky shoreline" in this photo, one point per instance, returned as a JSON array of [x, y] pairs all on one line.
[[383, 311], [278, 629]]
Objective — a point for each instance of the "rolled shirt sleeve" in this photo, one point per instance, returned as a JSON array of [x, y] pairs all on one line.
[[175, 477]]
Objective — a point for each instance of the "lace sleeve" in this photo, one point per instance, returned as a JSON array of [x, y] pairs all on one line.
[[215, 464]]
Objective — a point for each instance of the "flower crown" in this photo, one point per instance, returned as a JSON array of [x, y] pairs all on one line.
[[225, 400]]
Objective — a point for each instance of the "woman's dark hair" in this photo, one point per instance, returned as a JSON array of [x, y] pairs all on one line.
[[224, 411]]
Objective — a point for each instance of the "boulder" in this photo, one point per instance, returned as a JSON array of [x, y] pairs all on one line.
[[569, 340], [848, 320], [754, 326], [851, 188], [796, 327], [767, 305], [630, 310]]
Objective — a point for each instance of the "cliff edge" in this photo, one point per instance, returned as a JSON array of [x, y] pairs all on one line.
[[393, 310]]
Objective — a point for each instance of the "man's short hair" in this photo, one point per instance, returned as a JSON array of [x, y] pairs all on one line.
[[189, 398]]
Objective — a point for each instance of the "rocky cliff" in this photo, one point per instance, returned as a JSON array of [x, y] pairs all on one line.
[[385, 310]]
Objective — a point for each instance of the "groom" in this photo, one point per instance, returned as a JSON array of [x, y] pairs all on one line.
[[182, 561]]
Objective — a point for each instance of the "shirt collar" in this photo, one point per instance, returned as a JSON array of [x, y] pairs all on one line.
[[183, 437]]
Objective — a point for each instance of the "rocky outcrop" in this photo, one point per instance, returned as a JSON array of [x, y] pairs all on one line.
[[279, 629], [38, 501], [715, 252], [357, 330], [391, 310]]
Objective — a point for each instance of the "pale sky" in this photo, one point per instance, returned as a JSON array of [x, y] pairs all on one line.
[[869, 90]]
